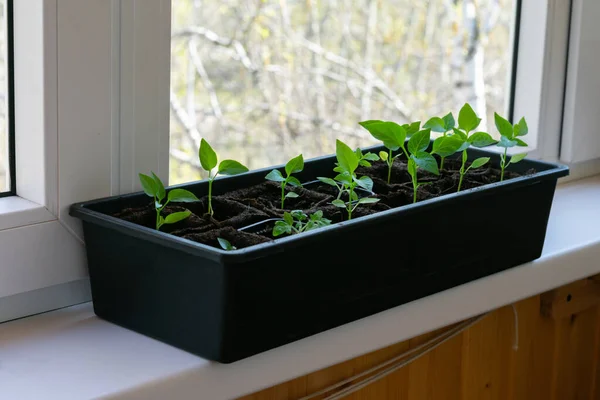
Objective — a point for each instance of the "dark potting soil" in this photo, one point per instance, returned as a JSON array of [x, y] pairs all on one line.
[[243, 207]]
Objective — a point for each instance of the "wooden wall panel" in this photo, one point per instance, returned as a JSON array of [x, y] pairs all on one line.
[[556, 359]]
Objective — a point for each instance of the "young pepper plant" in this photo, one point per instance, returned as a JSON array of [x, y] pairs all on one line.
[[297, 222], [420, 158], [364, 160], [154, 188], [509, 137], [209, 160], [468, 121], [393, 137], [442, 125], [347, 162], [293, 166]]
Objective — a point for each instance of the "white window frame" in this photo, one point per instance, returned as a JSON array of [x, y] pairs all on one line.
[[92, 111]]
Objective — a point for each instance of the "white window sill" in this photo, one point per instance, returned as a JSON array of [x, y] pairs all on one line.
[[16, 211], [71, 354]]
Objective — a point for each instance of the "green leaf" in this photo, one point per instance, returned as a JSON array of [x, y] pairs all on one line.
[[412, 128], [299, 215], [390, 133], [208, 157], [182, 196], [346, 157], [160, 188], [445, 146], [521, 129], [436, 124], [288, 218], [520, 143], [231, 167], [176, 217], [426, 161], [365, 182], [366, 123], [149, 185], [339, 203], [478, 162], [467, 119], [291, 195], [419, 141], [364, 163], [517, 157], [383, 155], [225, 244], [327, 181], [504, 127], [464, 146], [371, 157], [506, 142], [449, 121], [481, 139], [338, 169], [295, 165], [353, 196], [157, 204], [344, 178], [317, 215], [367, 200], [275, 176], [412, 167], [294, 181], [460, 134], [281, 228]]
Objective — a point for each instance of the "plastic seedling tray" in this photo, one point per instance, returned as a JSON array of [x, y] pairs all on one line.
[[228, 305]]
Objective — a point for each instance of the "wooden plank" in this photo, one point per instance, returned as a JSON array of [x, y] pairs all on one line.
[[571, 299]]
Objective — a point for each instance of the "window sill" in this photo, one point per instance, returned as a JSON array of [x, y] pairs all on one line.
[[86, 357], [16, 211]]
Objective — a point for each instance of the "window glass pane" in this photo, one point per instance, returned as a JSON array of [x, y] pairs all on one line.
[[264, 80], [5, 147]]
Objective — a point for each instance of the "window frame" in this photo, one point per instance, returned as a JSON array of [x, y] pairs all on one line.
[[10, 90], [123, 128]]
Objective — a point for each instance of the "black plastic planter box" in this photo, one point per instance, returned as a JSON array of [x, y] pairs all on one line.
[[225, 306]]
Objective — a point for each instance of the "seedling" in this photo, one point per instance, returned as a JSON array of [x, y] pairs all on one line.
[[442, 125], [347, 162], [154, 188], [363, 160], [297, 222], [293, 166], [468, 121], [225, 244], [420, 158], [208, 160], [510, 138], [393, 137]]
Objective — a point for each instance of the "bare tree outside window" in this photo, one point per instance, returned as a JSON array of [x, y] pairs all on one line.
[[263, 80], [4, 148]]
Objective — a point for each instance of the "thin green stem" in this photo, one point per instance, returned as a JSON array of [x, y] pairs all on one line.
[[503, 164], [442, 163], [390, 163], [415, 189], [282, 193], [350, 203], [462, 170], [210, 182], [460, 180]]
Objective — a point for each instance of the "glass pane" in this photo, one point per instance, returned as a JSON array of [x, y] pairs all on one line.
[[265, 80], [4, 143]]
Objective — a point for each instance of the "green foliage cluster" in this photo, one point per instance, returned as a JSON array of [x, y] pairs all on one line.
[[409, 140]]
